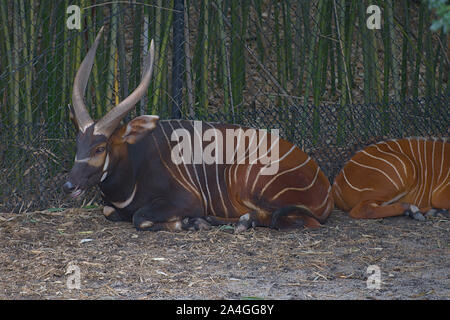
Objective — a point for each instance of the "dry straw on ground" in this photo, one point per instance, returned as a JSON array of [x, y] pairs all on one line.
[[118, 262]]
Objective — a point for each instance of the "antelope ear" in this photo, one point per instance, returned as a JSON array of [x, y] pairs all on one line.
[[138, 127]]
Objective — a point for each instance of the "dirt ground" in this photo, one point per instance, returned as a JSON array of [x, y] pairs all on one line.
[[38, 249]]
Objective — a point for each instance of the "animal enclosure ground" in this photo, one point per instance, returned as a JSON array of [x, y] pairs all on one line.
[[117, 262]]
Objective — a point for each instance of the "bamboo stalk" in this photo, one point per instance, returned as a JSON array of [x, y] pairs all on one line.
[[280, 60], [143, 103], [239, 17], [204, 74], [188, 61], [415, 84], [311, 55], [112, 56], [260, 41], [96, 88], [8, 47], [395, 53], [345, 84], [320, 74], [135, 77], [387, 51], [26, 58], [286, 13], [122, 58], [366, 58], [350, 22], [443, 63], [160, 62], [16, 74], [404, 77], [223, 53], [302, 11], [430, 54], [64, 112]]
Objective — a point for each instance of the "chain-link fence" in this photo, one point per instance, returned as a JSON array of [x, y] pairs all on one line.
[[313, 69]]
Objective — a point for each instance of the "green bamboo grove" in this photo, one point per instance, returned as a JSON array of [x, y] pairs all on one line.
[[237, 54]]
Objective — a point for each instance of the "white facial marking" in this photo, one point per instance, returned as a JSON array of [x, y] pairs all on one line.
[[105, 166], [105, 174], [81, 160]]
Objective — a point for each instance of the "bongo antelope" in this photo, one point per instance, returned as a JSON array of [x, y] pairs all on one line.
[[139, 181], [390, 178]]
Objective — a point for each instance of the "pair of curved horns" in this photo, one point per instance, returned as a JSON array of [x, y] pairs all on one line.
[[111, 120]]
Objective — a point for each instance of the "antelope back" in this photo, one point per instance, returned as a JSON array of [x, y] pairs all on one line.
[[412, 170], [256, 171]]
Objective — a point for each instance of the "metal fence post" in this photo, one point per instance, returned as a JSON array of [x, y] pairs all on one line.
[[178, 58]]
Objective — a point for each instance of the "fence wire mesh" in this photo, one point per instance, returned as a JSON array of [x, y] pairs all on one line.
[[309, 68]]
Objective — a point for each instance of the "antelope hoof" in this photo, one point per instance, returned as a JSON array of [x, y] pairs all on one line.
[[111, 214], [145, 225], [434, 212], [195, 224], [244, 223], [431, 213], [414, 213]]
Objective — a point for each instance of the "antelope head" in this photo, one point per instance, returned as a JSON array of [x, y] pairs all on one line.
[[92, 137]]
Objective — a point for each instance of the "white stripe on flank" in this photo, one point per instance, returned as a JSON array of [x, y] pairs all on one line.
[[250, 166], [261, 140], [411, 148], [281, 173], [172, 174], [398, 144], [228, 185], [395, 199], [339, 192], [204, 172], [235, 151], [394, 155], [422, 180], [298, 189], [199, 185], [432, 174], [279, 160], [271, 146], [190, 186], [245, 152], [217, 173], [125, 203], [378, 170], [442, 161], [352, 186], [417, 179], [184, 165], [324, 200], [384, 160], [443, 181], [409, 159]]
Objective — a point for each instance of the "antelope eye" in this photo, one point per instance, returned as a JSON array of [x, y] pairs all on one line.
[[99, 150]]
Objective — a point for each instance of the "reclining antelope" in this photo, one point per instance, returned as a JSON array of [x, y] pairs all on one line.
[[405, 176], [140, 182]]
